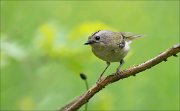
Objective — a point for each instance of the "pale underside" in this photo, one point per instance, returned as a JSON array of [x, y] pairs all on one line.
[[111, 54]]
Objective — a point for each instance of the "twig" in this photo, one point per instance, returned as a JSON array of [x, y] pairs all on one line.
[[81, 100], [83, 77]]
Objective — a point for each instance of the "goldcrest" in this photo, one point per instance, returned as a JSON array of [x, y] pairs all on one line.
[[111, 46]]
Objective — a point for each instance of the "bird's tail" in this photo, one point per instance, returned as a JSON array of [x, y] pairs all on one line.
[[130, 36]]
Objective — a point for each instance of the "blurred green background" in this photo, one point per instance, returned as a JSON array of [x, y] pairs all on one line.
[[42, 54]]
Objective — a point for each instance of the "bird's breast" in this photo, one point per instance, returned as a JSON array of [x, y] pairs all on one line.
[[110, 54]]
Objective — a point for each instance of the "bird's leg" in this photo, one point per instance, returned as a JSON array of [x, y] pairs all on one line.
[[100, 77], [121, 63]]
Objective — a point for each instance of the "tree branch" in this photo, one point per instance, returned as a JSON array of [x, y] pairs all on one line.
[[81, 100]]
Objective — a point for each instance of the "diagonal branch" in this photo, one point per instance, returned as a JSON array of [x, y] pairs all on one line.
[[85, 97]]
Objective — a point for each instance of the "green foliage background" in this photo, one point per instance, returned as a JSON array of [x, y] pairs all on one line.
[[42, 54]]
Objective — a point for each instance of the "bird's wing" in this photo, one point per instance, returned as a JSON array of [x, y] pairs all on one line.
[[128, 36]]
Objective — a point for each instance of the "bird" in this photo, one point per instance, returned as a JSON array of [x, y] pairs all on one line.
[[111, 46]]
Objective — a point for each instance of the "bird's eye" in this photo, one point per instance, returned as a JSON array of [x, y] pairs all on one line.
[[97, 37]]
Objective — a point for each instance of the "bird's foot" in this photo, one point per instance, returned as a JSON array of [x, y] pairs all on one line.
[[118, 72], [99, 80]]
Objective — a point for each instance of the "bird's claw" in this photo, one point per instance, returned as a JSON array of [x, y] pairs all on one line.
[[99, 80], [118, 72]]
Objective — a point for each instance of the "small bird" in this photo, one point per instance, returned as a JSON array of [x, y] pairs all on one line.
[[111, 46]]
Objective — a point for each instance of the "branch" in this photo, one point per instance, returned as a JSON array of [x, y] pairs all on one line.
[[85, 97]]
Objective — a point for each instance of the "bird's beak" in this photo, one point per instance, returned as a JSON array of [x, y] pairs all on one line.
[[88, 42]]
